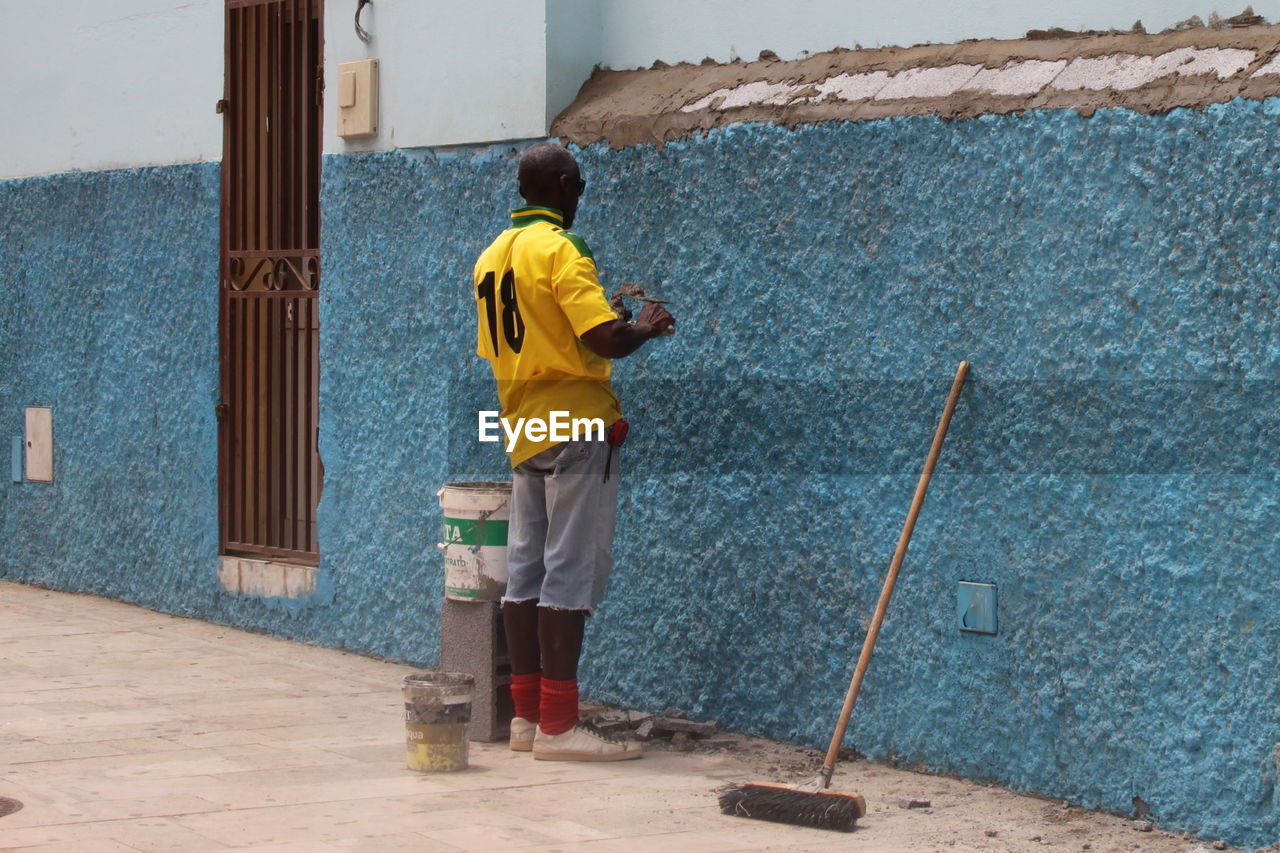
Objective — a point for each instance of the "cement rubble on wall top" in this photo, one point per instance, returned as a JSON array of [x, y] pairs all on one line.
[[1148, 73]]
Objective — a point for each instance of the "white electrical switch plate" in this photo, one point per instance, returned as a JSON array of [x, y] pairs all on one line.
[[40, 445], [358, 98]]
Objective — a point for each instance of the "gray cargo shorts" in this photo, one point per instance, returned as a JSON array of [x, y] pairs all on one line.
[[560, 537]]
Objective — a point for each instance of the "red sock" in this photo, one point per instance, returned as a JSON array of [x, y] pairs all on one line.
[[559, 705], [526, 693]]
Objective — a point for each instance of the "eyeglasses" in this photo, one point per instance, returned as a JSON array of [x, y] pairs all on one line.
[[580, 184]]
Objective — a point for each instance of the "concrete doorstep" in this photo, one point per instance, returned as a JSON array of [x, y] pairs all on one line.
[[123, 729]]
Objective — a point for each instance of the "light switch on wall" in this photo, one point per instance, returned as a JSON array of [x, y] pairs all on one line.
[[347, 89], [358, 98]]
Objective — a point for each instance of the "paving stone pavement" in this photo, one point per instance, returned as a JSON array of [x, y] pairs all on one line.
[[123, 729]]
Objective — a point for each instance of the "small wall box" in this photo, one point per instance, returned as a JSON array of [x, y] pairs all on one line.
[[39, 441], [358, 98], [976, 607]]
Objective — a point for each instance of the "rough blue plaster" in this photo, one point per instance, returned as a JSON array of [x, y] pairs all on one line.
[[1111, 466], [400, 233], [108, 315]]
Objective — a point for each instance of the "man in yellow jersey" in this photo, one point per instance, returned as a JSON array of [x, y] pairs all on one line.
[[549, 334]]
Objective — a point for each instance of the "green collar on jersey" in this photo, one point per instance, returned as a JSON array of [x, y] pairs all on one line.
[[528, 215]]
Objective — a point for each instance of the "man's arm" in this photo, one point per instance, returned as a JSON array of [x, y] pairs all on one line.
[[618, 338]]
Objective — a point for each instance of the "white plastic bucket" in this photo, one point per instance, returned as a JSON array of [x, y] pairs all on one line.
[[475, 539]]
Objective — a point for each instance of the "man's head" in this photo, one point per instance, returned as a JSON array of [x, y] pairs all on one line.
[[549, 177]]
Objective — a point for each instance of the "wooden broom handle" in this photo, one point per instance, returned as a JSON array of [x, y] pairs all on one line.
[[869, 643]]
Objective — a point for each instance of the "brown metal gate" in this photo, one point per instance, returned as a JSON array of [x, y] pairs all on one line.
[[269, 465]]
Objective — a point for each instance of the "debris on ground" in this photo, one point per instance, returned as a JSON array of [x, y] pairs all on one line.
[[677, 725], [673, 727], [905, 804], [617, 720]]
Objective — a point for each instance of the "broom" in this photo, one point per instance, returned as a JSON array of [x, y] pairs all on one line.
[[812, 804]]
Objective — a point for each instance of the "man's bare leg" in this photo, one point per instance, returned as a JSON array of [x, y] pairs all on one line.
[[560, 640], [520, 620], [560, 637], [560, 737]]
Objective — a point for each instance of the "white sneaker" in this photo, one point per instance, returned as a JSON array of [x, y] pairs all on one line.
[[522, 732], [583, 742]]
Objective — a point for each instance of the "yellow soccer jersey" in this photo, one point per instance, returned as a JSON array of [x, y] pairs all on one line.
[[536, 293]]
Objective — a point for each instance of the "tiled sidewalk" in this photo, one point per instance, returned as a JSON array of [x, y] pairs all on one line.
[[127, 730], [123, 729]]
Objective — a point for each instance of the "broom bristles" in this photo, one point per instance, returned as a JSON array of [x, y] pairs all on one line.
[[822, 810]]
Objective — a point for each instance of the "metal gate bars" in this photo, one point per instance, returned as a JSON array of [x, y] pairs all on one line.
[[269, 466]]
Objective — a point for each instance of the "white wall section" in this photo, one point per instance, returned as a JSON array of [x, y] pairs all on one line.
[[92, 84], [575, 32], [100, 85], [451, 73], [459, 73]]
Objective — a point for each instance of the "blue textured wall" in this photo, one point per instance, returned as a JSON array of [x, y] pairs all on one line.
[[400, 234], [1111, 466], [108, 314]]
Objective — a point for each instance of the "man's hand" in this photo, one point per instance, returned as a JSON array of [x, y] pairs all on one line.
[[618, 338], [655, 317]]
